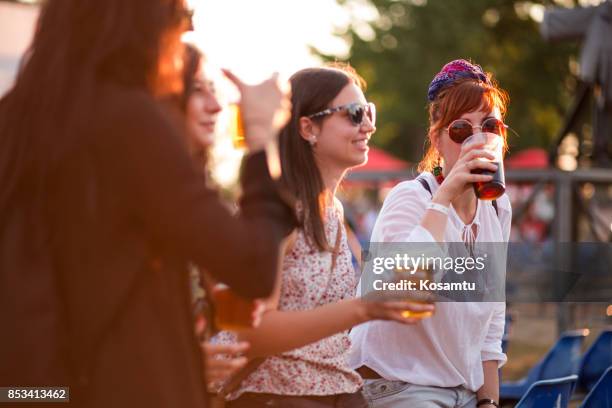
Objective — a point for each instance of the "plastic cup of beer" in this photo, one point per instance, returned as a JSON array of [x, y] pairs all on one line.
[[417, 295], [494, 144], [236, 126], [232, 312]]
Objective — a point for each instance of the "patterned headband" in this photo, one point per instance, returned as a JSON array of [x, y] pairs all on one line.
[[453, 71]]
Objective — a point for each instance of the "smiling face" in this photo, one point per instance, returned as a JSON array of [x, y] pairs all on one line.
[[339, 142], [201, 111], [449, 150]]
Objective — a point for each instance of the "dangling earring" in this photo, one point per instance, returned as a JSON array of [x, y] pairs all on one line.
[[437, 171], [313, 141]]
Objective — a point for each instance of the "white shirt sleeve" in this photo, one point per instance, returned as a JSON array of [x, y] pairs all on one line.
[[491, 349], [400, 217]]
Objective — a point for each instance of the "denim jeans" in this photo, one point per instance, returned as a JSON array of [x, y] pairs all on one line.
[[383, 393], [254, 400]]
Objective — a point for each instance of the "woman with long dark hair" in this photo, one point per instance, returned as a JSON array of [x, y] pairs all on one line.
[[199, 109], [102, 208], [302, 342]]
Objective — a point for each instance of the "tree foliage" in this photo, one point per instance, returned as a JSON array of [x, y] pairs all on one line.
[[413, 39]]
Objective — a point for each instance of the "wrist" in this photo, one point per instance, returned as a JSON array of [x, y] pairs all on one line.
[[441, 197], [360, 311], [487, 403], [257, 137], [443, 209]]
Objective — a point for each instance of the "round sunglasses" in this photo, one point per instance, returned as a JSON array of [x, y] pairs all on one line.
[[461, 129], [356, 112]]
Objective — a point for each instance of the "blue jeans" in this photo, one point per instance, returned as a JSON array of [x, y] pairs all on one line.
[[383, 393]]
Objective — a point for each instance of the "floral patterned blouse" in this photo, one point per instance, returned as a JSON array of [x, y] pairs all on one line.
[[319, 368]]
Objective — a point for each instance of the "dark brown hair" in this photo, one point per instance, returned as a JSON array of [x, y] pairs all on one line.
[[77, 44], [192, 59], [313, 89], [464, 96]]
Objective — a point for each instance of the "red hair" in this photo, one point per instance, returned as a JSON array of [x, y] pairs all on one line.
[[466, 95]]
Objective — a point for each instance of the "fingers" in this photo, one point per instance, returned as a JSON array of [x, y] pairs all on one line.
[[412, 306], [481, 164], [236, 349], [200, 325], [476, 154], [487, 166], [219, 370], [405, 320], [258, 311], [232, 77], [419, 307], [473, 178], [397, 311], [222, 361], [219, 367]]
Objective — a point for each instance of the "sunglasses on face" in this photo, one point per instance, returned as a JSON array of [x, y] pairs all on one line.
[[461, 129], [356, 112]]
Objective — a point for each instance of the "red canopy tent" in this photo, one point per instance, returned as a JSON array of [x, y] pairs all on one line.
[[532, 158], [379, 160]]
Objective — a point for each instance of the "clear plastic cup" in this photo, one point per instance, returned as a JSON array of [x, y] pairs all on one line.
[[493, 189]]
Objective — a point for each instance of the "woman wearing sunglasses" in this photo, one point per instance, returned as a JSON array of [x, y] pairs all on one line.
[[302, 340], [452, 358]]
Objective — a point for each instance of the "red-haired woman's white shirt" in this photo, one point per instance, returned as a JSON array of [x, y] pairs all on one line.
[[447, 349]]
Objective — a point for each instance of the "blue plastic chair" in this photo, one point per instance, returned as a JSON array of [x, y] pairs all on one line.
[[601, 394], [560, 361], [549, 393], [595, 361]]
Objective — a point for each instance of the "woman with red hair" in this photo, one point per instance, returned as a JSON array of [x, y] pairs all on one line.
[[452, 358]]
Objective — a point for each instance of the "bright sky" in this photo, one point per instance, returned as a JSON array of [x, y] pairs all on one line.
[[252, 38], [16, 25], [256, 38]]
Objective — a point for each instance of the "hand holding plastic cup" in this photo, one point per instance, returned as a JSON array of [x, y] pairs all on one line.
[[417, 296], [494, 144], [263, 110], [233, 312]]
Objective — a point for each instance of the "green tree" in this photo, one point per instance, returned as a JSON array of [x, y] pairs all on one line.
[[413, 39]]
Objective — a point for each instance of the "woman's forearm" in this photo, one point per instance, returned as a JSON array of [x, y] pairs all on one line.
[[281, 331], [435, 221], [490, 388]]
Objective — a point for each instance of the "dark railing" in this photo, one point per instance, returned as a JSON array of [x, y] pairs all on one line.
[[568, 203]]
